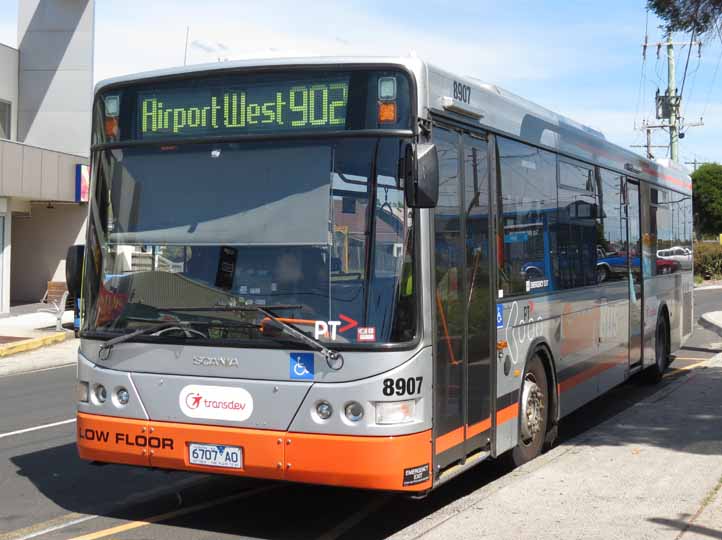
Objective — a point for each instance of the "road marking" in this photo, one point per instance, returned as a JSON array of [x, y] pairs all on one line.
[[173, 514], [36, 428], [46, 527], [687, 368], [72, 364]]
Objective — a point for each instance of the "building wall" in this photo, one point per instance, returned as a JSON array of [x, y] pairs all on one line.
[[55, 40], [35, 173], [39, 246], [9, 59]]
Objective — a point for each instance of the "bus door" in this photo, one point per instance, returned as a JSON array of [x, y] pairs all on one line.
[[461, 289], [634, 264]]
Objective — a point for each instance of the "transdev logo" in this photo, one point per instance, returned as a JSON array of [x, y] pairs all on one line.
[[193, 401], [216, 402]]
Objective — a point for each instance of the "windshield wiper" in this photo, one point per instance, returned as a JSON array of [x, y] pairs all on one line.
[[107, 347], [333, 358]]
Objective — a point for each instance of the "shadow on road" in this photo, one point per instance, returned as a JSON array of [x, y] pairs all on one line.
[[683, 526]]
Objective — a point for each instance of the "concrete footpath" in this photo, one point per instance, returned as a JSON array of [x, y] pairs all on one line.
[[59, 354], [653, 471], [28, 328]]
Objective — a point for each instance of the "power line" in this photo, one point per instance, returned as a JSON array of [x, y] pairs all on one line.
[[686, 64], [644, 61]]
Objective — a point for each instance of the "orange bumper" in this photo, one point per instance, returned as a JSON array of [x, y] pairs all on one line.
[[400, 463]]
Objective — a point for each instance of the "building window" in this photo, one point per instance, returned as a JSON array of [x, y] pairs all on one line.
[[5, 119]]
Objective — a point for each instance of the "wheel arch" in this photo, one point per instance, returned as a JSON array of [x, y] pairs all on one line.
[[541, 347]]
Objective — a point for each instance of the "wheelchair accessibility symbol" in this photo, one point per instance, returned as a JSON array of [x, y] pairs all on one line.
[[301, 365], [500, 316]]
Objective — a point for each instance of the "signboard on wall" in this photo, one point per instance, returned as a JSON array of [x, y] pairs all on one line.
[[82, 182]]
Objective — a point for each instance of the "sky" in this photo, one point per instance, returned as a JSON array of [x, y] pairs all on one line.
[[582, 59]]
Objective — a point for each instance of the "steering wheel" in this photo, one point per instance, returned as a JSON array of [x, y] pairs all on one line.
[[189, 332]]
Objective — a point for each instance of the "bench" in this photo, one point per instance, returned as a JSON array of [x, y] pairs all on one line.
[[59, 298]]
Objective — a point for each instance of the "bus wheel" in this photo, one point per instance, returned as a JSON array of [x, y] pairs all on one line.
[[534, 413], [653, 374]]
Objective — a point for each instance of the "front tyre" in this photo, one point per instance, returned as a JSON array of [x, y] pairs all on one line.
[[653, 374], [534, 409]]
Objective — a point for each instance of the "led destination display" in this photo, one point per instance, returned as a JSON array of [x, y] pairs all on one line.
[[205, 111], [227, 103]]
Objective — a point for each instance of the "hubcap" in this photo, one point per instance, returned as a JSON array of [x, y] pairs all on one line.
[[532, 410]]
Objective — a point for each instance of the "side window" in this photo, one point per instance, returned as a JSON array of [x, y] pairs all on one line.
[[576, 176], [661, 232], [612, 234], [5, 119], [577, 233], [528, 199]]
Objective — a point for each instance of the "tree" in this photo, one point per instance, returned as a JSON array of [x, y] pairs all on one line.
[[707, 182], [697, 16]]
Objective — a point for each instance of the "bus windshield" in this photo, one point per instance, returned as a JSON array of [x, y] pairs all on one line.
[[318, 226]]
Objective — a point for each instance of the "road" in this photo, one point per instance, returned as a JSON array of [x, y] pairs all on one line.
[[47, 492]]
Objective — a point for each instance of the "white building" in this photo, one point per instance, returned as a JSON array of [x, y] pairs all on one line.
[[46, 88]]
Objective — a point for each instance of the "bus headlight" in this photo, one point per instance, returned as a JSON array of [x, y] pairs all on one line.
[[324, 410], [82, 391], [395, 412], [122, 396], [101, 394], [354, 411]]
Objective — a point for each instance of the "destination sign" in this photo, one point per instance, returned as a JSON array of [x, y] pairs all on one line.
[[252, 108], [226, 103]]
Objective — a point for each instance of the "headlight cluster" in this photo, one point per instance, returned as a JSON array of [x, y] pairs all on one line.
[[98, 394], [386, 412]]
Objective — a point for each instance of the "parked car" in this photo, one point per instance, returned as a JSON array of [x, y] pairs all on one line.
[[680, 254]]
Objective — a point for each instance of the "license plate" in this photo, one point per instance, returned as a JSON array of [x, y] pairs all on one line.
[[216, 455]]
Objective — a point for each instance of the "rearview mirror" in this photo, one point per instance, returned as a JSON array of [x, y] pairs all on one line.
[[422, 176], [74, 269]]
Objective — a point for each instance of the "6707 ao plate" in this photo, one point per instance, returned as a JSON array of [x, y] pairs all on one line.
[[216, 455]]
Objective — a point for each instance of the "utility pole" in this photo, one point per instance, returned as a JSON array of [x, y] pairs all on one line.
[[648, 128], [668, 104], [696, 163], [673, 99]]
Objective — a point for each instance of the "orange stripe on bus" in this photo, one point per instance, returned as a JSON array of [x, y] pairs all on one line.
[[479, 427], [449, 440], [456, 437], [585, 375], [507, 413]]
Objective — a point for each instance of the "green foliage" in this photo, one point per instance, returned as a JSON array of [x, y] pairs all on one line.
[[707, 182], [699, 16], [708, 260]]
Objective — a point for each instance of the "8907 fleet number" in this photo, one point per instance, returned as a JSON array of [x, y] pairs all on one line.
[[402, 387]]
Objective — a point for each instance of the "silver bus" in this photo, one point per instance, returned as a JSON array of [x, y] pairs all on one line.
[[364, 272]]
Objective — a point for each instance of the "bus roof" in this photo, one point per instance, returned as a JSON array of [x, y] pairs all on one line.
[[484, 105]]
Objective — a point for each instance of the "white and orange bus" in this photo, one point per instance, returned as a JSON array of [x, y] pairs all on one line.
[[363, 272]]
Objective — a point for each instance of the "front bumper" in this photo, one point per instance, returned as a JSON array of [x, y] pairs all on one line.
[[385, 463]]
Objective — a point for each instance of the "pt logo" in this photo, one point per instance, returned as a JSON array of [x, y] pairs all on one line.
[[193, 400], [301, 366]]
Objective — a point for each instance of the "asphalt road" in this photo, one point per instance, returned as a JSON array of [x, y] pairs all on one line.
[[47, 492]]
